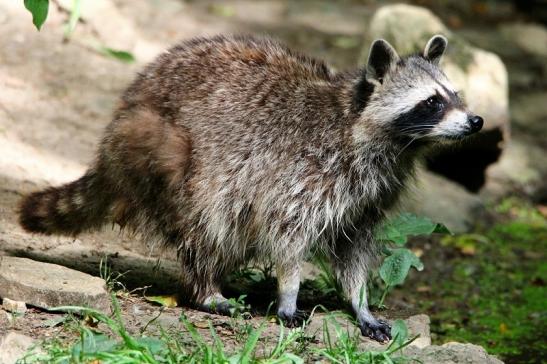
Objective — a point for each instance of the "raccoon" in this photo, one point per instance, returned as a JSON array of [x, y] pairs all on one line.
[[235, 149]]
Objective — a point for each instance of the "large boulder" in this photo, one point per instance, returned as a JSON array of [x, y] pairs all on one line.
[[530, 37], [479, 75], [444, 201], [522, 168]]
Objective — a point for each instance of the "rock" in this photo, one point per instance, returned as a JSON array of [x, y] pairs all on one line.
[[522, 168], [443, 201], [14, 346], [17, 307], [531, 38], [48, 285], [419, 325], [451, 353], [6, 320], [529, 113]]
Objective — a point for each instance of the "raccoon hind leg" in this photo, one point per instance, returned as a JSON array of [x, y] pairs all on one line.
[[203, 270], [142, 144]]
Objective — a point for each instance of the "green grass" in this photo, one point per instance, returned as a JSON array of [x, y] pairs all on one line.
[[495, 295], [113, 343]]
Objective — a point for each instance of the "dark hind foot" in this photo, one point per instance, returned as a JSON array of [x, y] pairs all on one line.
[[219, 305], [296, 319], [379, 330], [224, 308]]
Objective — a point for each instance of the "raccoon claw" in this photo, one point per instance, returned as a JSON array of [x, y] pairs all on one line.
[[296, 319], [379, 331]]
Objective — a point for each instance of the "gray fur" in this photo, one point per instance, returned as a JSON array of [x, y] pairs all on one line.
[[234, 149]]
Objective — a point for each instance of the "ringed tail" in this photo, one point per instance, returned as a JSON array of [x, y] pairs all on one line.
[[67, 210]]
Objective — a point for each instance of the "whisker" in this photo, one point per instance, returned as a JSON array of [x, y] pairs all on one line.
[[408, 144]]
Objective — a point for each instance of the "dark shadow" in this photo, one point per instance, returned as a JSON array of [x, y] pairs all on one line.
[[466, 164], [133, 273]]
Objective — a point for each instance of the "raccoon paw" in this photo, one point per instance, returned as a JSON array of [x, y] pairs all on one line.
[[224, 308], [296, 319], [379, 330]]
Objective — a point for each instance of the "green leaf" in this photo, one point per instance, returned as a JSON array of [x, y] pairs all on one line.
[[165, 301], [395, 267], [38, 9], [119, 55], [401, 227], [399, 331]]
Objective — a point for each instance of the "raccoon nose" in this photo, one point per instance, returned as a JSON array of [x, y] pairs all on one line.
[[476, 123]]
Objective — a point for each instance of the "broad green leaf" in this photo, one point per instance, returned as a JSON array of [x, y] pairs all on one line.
[[395, 267], [401, 227], [38, 9], [119, 55], [399, 331]]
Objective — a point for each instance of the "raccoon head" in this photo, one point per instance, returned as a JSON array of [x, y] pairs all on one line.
[[411, 98]]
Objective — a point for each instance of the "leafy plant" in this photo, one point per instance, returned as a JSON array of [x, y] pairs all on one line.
[[399, 260], [398, 229]]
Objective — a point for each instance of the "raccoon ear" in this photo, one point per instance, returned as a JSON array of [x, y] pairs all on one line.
[[434, 49], [382, 57]]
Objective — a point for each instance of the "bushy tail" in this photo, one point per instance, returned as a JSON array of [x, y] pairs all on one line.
[[67, 210]]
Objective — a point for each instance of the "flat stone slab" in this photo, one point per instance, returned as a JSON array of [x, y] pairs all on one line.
[[48, 285]]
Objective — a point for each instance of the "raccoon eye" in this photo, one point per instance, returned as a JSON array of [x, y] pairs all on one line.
[[434, 102]]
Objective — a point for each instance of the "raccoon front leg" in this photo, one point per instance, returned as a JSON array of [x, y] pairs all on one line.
[[288, 284], [351, 266]]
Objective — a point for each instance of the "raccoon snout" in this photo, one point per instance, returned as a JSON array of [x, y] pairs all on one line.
[[475, 122]]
